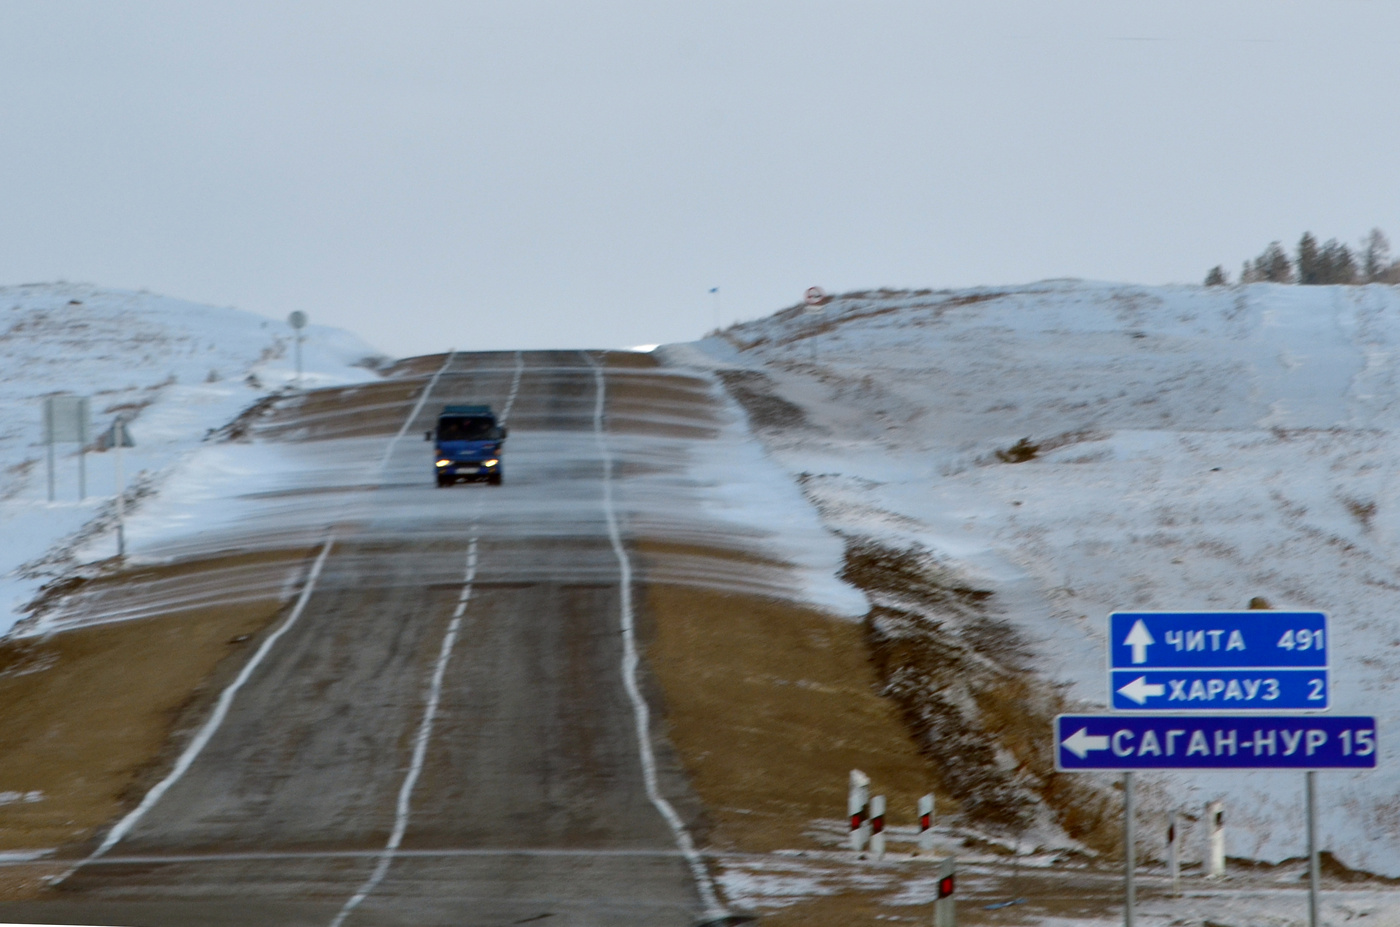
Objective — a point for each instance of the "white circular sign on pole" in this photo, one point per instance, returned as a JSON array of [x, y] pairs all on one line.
[[297, 319], [815, 296]]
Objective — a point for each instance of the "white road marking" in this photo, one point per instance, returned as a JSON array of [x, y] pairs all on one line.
[[418, 407], [514, 386], [211, 726], [401, 853], [642, 713], [420, 746]]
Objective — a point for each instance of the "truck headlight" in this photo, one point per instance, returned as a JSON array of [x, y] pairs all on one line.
[[490, 463], [443, 463]]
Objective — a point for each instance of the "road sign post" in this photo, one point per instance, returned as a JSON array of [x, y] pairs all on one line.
[[298, 321], [1129, 850], [116, 438], [1314, 875], [1200, 667]]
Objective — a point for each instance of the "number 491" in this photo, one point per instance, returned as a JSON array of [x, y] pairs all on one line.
[[1301, 639]]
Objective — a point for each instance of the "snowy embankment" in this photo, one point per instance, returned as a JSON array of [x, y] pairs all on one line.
[[174, 369], [1193, 448]]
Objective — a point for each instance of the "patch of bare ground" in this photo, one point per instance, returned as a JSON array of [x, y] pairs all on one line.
[[664, 404], [962, 678], [412, 367], [757, 394], [362, 410], [770, 705], [108, 592], [863, 305], [622, 360], [91, 718]]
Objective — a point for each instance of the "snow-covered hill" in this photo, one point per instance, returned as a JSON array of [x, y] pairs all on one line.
[[1186, 448], [175, 369]]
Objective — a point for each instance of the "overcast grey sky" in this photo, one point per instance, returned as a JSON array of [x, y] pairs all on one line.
[[525, 174]]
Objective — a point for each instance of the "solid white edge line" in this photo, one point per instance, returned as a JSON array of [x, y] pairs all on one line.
[[418, 407], [630, 660], [420, 746], [514, 386], [212, 724]]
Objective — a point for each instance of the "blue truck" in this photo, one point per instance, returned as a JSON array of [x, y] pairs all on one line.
[[467, 445]]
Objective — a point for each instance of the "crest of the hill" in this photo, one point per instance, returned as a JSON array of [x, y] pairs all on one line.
[[1008, 465]]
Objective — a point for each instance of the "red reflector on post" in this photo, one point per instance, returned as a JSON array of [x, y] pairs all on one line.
[[925, 821], [945, 886]]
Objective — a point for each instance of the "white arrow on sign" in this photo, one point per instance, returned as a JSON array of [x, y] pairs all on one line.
[[1140, 690], [1080, 743], [1139, 638]]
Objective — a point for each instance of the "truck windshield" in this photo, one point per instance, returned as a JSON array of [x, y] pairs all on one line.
[[466, 429]]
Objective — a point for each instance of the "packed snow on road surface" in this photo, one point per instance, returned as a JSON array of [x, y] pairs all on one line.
[[175, 370], [1007, 466]]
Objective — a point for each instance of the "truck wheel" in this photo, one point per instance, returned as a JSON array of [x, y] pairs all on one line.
[[494, 479], [442, 481]]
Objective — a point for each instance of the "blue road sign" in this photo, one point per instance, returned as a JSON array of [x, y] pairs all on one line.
[[1125, 742], [1219, 690], [1217, 640]]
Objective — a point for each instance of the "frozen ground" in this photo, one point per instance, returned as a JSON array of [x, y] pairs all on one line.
[[1198, 448], [174, 369]]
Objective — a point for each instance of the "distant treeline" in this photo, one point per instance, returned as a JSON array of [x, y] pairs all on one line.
[[1315, 265]]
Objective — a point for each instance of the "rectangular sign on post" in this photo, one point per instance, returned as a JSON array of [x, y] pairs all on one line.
[[1218, 661], [1220, 690], [65, 419], [1219, 640], [1130, 742]]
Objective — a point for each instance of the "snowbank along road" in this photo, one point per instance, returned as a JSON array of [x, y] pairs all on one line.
[[449, 723]]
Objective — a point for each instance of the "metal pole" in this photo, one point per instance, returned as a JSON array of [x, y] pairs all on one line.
[[298, 358], [1313, 869], [1129, 850], [48, 439], [82, 424], [119, 431]]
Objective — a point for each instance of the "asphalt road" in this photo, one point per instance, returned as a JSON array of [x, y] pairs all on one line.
[[454, 685]]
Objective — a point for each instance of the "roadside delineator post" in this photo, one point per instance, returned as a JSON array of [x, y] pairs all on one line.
[[858, 809], [1215, 840], [944, 912], [925, 824], [877, 826], [1174, 851]]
